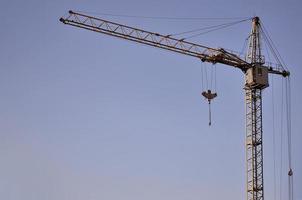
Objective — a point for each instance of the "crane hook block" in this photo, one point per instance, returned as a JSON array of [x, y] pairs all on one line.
[[209, 96], [290, 172]]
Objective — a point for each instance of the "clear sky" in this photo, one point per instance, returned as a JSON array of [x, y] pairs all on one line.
[[87, 116]]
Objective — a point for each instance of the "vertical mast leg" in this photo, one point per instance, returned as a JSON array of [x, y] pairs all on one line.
[[254, 148]]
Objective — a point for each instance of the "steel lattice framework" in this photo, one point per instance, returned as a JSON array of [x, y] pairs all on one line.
[[253, 66], [206, 54], [253, 99], [254, 147]]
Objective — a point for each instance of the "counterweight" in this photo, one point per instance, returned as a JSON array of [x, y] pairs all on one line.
[[254, 68]]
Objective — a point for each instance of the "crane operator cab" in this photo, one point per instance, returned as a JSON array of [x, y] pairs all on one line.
[[209, 96], [257, 77]]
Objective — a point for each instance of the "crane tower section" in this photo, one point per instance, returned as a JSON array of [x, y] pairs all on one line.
[[256, 79], [257, 75]]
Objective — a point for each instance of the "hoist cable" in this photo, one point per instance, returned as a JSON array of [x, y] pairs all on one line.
[[202, 75], [206, 75], [268, 43], [210, 118], [273, 47], [281, 139], [267, 52], [287, 108], [291, 187], [215, 87], [274, 53], [215, 29], [211, 81], [274, 137], [161, 17], [274, 128], [209, 27], [288, 118], [244, 46]]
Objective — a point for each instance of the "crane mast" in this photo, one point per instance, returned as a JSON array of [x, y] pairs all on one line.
[[253, 66], [253, 101]]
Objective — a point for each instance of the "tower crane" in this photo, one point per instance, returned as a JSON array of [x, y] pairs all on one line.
[[254, 68]]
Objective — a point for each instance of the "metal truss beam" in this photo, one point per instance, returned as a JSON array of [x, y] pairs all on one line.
[[254, 146], [206, 54]]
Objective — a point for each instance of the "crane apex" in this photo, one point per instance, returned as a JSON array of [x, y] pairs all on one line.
[[256, 19], [62, 20]]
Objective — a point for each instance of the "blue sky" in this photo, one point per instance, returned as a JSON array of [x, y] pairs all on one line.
[[87, 116]]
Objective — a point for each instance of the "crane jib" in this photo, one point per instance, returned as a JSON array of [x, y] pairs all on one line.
[[206, 54]]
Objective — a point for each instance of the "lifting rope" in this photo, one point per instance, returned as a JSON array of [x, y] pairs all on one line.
[[281, 139], [285, 98], [209, 29], [289, 145], [274, 138], [208, 94], [285, 120], [164, 17], [272, 47]]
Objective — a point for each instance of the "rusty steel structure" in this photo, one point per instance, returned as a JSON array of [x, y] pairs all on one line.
[[253, 66]]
